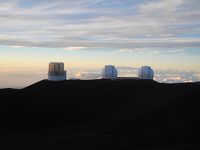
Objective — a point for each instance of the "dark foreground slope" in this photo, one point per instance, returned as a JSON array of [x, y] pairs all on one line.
[[101, 114]]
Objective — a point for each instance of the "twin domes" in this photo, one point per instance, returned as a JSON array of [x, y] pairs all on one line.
[[110, 72]]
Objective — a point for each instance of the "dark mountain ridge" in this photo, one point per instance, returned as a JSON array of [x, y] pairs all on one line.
[[100, 114]]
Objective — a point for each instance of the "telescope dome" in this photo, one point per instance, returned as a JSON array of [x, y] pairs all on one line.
[[109, 72], [146, 72]]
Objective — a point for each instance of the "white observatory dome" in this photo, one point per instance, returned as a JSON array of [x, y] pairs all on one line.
[[56, 71], [109, 72], [146, 72]]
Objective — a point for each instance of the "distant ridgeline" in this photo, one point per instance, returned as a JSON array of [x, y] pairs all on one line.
[[57, 73]]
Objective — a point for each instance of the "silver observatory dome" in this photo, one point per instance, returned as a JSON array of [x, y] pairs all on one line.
[[56, 71], [109, 72], [146, 72]]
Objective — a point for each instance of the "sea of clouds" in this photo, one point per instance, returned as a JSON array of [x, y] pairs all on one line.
[[24, 77]]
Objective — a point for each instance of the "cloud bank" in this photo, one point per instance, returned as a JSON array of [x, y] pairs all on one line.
[[128, 24], [15, 78]]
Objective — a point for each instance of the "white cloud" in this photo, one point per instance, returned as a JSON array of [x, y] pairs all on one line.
[[17, 46], [161, 6], [74, 48], [154, 52]]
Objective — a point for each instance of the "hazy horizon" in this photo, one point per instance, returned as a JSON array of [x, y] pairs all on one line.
[[86, 35], [19, 78]]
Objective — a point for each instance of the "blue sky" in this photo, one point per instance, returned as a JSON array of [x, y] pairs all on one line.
[[85, 33]]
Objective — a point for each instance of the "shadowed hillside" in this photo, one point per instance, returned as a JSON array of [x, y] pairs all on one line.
[[101, 114]]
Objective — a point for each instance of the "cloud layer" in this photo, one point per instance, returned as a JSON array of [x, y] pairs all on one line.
[[94, 24], [15, 78]]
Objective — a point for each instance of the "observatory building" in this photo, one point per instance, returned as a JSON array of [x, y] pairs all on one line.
[[109, 72], [145, 72], [56, 71]]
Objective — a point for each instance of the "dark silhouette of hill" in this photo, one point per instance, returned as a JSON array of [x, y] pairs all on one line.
[[101, 114]]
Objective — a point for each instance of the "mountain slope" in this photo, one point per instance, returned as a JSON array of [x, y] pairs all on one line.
[[99, 114]]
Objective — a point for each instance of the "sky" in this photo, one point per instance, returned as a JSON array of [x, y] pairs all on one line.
[[164, 34]]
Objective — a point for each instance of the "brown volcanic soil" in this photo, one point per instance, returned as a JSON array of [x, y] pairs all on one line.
[[101, 114]]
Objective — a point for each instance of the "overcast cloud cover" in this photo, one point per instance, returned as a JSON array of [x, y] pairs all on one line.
[[127, 25]]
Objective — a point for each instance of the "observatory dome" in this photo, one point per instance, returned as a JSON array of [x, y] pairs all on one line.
[[56, 71], [109, 72], [146, 72]]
